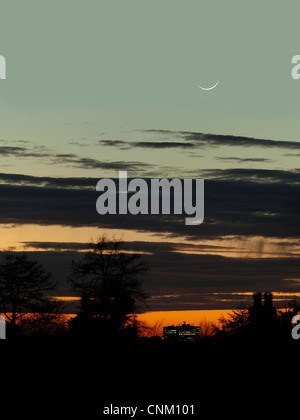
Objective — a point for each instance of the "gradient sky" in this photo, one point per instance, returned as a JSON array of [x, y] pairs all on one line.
[[96, 87]]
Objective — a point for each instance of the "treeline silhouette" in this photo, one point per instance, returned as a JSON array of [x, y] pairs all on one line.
[[260, 324], [108, 282]]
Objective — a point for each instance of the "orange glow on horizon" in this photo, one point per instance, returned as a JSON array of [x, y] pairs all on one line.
[[66, 298], [14, 237], [18, 238], [160, 319]]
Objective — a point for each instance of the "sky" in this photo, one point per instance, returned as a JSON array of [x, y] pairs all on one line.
[[98, 87]]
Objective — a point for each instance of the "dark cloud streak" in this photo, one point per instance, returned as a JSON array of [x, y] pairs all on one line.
[[187, 281], [243, 160], [213, 140], [147, 144], [263, 204]]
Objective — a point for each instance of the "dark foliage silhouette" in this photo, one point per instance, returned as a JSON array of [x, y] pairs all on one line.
[[235, 318], [24, 287], [50, 321], [260, 324], [108, 281]]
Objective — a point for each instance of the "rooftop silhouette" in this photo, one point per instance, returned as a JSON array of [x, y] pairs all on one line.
[[184, 332]]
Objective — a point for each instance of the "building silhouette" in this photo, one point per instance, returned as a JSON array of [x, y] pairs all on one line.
[[261, 313], [184, 332], [262, 323]]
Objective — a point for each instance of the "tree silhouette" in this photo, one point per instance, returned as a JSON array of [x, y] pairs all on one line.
[[108, 281], [23, 284], [235, 318], [44, 324]]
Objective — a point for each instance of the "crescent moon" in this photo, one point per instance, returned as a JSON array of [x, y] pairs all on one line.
[[210, 88]]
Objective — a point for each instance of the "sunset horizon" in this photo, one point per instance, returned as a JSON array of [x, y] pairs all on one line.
[[149, 207]]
